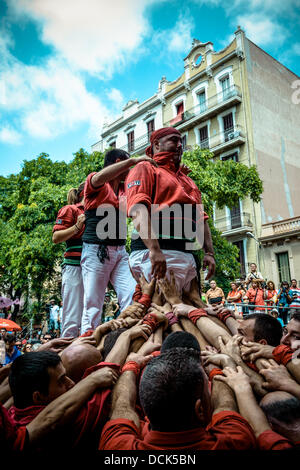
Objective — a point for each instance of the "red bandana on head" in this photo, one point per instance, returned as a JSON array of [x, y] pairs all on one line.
[[156, 135]]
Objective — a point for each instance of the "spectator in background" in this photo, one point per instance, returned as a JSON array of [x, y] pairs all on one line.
[[275, 314], [3, 333], [12, 351], [253, 274], [283, 301], [215, 294], [294, 294], [27, 348], [255, 296], [234, 296], [54, 317], [270, 294]]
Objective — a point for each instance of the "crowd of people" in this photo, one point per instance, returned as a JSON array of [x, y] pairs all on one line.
[[170, 368]]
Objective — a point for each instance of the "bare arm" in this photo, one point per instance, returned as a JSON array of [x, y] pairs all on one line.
[[246, 401], [222, 397], [124, 398], [60, 236], [208, 260], [142, 222], [120, 351], [113, 171]]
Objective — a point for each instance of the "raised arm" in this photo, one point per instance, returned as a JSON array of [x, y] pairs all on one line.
[[113, 171]]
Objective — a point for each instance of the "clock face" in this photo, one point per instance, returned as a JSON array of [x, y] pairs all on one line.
[[197, 59]]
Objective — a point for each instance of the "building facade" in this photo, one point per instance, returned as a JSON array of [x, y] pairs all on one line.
[[237, 103]]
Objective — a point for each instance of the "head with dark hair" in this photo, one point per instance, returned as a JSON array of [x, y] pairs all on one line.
[[112, 156], [283, 413], [110, 341], [291, 332], [180, 339], [76, 195], [284, 285], [37, 378], [175, 380], [10, 341], [261, 328]]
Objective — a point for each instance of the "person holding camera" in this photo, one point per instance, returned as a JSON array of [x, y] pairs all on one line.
[[283, 301], [254, 274]]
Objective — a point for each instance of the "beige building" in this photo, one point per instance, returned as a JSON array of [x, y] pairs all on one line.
[[238, 103]]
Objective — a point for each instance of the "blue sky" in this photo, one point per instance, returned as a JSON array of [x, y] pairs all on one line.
[[68, 65]]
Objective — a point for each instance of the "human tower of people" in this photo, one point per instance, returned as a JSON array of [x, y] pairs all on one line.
[[171, 372]]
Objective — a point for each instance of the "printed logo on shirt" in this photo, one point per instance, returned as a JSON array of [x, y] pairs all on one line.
[[59, 222], [134, 183]]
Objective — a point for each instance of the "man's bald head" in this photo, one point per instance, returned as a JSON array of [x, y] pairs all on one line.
[[76, 359]]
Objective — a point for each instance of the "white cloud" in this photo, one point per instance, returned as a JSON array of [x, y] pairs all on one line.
[[97, 36], [117, 98], [48, 100], [178, 39], [261, 29], [8, 135], [296, 48]]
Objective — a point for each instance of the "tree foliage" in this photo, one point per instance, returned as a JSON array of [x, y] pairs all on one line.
[[30, 200]]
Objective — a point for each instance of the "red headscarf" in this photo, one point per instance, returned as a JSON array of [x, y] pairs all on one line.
[[156, 135]]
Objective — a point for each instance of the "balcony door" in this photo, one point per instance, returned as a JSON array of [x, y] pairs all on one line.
[[283, 264], [225, 84], [204, 137], [241, 256], [235, 217], [228, 126]]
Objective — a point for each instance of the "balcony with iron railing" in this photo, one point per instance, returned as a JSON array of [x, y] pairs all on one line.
[[234, 225], [208, 108], [280, 229], [224, 140], [137, 145]]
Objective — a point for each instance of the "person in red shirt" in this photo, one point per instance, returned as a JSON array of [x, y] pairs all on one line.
[[69, 228], [255, 296], [175, 397], [39, 378], [104, 257], [165, 239]]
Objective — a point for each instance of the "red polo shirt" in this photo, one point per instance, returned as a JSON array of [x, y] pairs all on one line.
[[94, 197], [66, 218], [227, 431], [162, 185]]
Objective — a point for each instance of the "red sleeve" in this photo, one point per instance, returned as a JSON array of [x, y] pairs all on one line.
[[88, 187], [270, 440], [139, 185], [231, 431], [119, 434], [65, 218]]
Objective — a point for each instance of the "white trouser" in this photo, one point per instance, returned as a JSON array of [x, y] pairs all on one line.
[[72, 298], [182, 264], [96, 276]]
